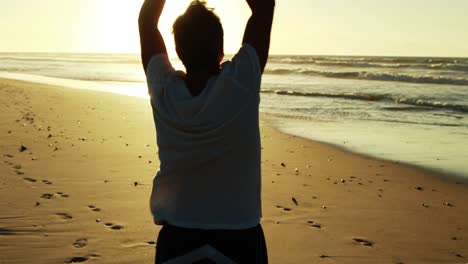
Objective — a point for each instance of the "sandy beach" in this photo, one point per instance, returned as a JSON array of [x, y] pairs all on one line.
[[77, 167]]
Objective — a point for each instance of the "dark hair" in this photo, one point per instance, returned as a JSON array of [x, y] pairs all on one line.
[[198, 36]]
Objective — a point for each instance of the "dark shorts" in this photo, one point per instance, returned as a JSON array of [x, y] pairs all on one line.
[[177, 245]]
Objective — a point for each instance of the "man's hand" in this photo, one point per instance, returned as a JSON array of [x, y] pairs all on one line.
[[261, 5], [258, 30], [151, 40]]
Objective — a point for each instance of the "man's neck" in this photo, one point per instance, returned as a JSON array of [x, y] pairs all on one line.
[[196, 80]]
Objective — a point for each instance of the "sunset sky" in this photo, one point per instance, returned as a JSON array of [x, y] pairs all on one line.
[[332, 27]]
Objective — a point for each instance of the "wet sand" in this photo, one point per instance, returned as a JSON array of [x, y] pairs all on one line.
[[77, 167]]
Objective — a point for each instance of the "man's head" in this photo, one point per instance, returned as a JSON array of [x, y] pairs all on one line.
[[199, 37]]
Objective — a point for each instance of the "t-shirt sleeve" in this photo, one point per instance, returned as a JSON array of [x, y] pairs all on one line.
[[245, 68], [158, 74]]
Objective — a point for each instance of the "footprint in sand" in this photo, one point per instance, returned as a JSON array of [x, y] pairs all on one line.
[[114, 227], [81, 243], [30, 179], [94, 208], [46, 182], [364, 242], [81, 259], [62, 194], [286, 209], [65, 216], [47, 196], [313, 224]]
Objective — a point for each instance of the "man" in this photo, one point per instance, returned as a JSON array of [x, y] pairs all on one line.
[[207, 193]]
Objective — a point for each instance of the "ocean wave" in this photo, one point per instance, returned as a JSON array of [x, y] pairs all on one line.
[[376, 59], [432, 104], [366, 62], [98, 60], [452, 67], [364, 97], [418, 122], [416, 103], [122, 79], [363, 75], [430, 66]]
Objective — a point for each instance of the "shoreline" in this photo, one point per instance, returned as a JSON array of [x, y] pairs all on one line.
[[81, 190], [440, 173]]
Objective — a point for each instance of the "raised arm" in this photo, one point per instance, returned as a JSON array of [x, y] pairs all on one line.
[[151, 40], [258, 30]]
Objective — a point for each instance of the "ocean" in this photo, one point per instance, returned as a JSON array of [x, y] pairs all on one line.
[[412, 110]]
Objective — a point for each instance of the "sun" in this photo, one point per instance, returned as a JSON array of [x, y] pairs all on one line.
[[112, 25]]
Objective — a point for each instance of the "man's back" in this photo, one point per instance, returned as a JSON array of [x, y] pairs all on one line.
[[209, 146]]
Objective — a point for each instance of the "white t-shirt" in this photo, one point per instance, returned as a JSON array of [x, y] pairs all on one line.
[[209, 145]]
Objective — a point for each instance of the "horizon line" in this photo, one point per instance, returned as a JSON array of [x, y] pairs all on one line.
[[274, 54]]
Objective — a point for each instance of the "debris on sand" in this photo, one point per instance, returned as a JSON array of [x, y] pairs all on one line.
[[23, 148], [364, 242], [76, 260], [47, 196], [295, 201]]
